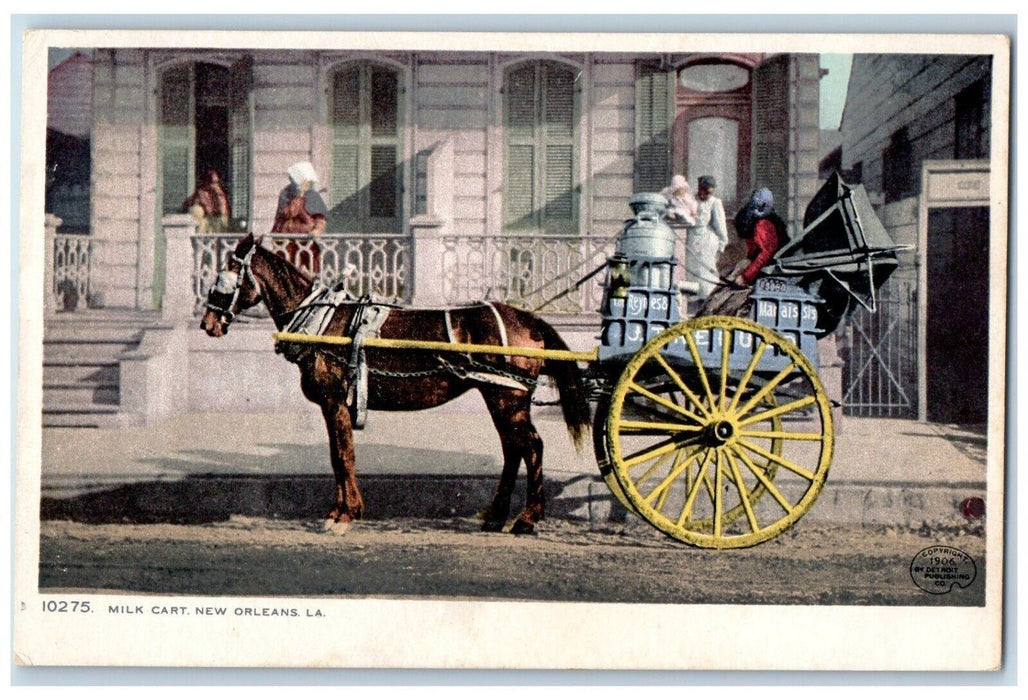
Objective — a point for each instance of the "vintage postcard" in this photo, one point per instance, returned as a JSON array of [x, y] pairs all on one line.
[[501, 350]]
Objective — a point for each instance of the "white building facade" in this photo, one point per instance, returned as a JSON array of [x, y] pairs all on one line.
[[449, 176]]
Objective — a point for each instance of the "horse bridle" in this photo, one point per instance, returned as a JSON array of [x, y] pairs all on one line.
[[223, 296]]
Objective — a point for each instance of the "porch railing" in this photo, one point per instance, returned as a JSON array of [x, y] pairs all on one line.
[[526, 271], [375, 264], [67, 266]]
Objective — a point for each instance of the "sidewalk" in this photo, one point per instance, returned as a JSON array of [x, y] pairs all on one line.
[[446, 462]]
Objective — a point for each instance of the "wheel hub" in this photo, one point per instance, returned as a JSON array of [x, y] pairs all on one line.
[[719, 432]]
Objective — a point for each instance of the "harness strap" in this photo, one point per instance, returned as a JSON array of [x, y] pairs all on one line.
[[500, 325], [366, 322], [448, 322]]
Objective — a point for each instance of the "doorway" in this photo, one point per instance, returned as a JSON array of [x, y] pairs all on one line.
[[957, 323]]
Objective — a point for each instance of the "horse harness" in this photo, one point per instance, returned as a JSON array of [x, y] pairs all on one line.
[[315, 313], [225, 292]]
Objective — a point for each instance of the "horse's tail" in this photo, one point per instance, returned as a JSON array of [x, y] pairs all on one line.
[[573, 403]]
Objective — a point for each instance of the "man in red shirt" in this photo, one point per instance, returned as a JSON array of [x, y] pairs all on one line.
[[764, 232]]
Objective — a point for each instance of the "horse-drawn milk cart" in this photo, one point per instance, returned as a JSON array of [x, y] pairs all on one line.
[[715, 429]]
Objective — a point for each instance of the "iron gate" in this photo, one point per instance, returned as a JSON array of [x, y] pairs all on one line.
[[879, 352]]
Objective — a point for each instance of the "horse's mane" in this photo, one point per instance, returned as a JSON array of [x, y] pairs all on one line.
[[289, 281]]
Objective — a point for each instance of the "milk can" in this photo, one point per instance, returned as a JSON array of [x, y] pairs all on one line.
[[647, 241]]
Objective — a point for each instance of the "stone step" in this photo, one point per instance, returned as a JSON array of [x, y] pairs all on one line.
[[60, 396], [81, 416], [105, 353], [75, 374]]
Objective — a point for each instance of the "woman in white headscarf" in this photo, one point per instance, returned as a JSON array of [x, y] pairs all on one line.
[[300, 208], [708, 237]]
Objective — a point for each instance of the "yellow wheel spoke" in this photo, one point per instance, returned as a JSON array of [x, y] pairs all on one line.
[[766, 389], [650, 453], [665, 402], [744, 495], [780, 435], [664, 494], [653, 467], [758, 353], [762, 478], [672, 475], [699, 367], [718, 496], [691, 497], [681, 385], [779, 410], [791, 466], [641, 425]]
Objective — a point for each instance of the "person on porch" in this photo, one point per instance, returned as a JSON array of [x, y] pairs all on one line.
[[707, 238], [209, 205], [302, 210]]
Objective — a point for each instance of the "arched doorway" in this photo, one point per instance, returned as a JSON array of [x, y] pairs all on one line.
[[712, 128], [203, 119]]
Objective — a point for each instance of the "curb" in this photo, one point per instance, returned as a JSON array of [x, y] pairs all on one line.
[[584, 497]]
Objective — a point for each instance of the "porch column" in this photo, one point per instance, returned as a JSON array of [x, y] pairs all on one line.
[[427, 258], [50, 223], [434, 182], [179, 295]]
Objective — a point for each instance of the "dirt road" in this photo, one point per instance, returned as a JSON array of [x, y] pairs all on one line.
[[565, 561]]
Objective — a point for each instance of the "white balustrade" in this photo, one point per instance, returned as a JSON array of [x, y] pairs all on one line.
[[525, 271], [69, 286], [374, 264]]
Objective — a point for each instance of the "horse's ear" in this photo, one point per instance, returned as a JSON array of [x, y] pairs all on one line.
[[259, 240]]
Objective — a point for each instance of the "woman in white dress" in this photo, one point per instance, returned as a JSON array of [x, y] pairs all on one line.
[[707, 238]]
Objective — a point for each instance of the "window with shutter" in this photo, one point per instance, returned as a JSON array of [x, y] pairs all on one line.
[[540, 119], [365, 189], [771, 127], [176, 135], [204, 123], [653, 102]]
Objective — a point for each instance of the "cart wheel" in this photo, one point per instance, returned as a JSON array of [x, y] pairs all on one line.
[[695, 449]]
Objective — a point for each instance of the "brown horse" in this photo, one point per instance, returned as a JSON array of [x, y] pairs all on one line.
[[405, 380]]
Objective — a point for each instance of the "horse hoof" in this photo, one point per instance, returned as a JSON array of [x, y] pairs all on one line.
[[493, 526], [522, 527], [337, 527]]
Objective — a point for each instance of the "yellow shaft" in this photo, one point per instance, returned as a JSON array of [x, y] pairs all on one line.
[[404, 344]]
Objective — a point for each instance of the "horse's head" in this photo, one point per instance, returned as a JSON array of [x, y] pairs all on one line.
[[235, 290]]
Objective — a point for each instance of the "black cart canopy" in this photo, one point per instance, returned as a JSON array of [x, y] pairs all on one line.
[[844, 253]]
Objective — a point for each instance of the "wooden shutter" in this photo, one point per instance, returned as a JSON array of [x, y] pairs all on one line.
[[366, 189], [383, 209], [539, 178], [520, 92], [176, 138], [558, 132], [343, 204], [654, 100], [240, 89], [771, 128]]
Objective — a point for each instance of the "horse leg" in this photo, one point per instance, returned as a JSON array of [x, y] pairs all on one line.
[[349, 505], [535, 500], [512, 418], [496, 514]]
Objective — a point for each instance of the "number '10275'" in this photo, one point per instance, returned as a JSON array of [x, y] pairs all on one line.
[[81, 606]]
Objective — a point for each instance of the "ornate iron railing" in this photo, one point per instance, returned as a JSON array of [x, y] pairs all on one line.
[[526, 271], [367, 264], [71, 269]]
